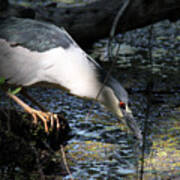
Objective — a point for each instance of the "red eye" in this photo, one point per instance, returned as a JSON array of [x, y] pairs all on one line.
[[122, 105]]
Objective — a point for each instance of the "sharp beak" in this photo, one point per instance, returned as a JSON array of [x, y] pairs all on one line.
[[129, 120]]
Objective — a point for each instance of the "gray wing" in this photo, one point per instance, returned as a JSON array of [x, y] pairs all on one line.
[[22, 44], [34, 35]]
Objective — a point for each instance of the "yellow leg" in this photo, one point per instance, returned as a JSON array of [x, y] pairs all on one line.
[[44, 116], [24, 93]]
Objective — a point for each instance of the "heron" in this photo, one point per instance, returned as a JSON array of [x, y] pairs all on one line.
[[33, 52]]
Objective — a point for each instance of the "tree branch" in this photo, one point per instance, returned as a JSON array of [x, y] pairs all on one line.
[[93, 21]]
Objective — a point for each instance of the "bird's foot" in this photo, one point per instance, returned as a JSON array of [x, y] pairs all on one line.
[[46, 117]]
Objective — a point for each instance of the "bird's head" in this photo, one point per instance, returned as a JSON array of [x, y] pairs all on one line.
[[115, 98]]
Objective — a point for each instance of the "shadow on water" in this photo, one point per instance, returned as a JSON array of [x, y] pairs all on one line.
[[101, 147]]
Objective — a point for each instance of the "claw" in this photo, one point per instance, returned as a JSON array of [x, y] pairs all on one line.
[[51, 121], [35, 121], [57, 121], [35, 114], [44, 116]]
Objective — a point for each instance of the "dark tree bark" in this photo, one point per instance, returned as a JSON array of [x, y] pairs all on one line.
[[87, 23], [3, 5]]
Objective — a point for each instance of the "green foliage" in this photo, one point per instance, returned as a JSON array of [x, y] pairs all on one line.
[[2, 80], [14, 91]]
